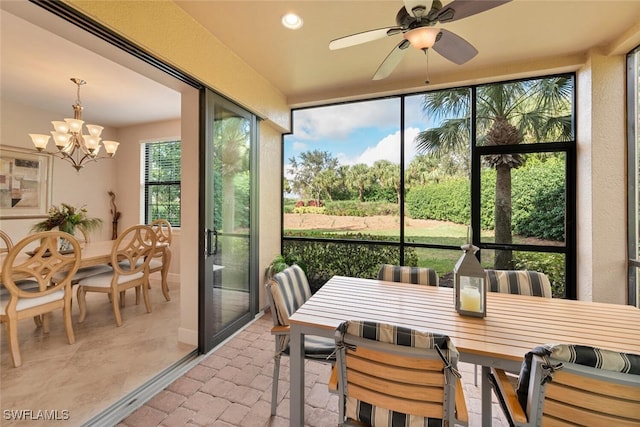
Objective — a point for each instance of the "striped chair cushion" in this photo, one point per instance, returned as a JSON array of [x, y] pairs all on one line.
[[520, 282], [406, 274], [579, 354], [608, 360], [376, 416], [290, 289]]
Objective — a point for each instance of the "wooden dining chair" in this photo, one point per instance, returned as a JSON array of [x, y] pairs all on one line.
[[6, 241], [407, 274], [37, 302], [161, 260], [286, 292], [84, 272], [564, 384], [392, 375], [130, 257]]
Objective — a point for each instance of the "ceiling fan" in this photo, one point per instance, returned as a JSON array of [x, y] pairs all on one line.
[[416, 20]]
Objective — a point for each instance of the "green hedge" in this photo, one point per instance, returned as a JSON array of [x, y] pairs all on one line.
[[538, 200], [322, 260]]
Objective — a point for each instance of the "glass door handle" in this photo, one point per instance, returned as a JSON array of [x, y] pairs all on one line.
[[211, 240]]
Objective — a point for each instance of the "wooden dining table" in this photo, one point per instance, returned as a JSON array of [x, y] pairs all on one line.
[[514, 325], [92, 253]]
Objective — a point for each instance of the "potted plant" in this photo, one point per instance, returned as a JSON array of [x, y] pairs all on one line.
[[68, 218], [279, 263]]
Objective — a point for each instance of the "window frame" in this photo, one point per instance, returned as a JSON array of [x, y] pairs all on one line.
[[147, 185], [569, 249]]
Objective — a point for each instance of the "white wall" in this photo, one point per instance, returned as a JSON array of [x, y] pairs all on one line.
[[602, 191], [88, 188], [129, 181]]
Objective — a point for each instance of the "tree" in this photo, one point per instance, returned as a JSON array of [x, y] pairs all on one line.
[[506, 114], [359, 178], [305, 173], [231, 139], [388, 175]]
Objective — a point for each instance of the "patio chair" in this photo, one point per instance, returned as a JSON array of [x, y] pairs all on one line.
[[406, 274], [38, 302], [521, 282], [130, 257], [518, 282], [391, 375], [563, 384], [286, 292]]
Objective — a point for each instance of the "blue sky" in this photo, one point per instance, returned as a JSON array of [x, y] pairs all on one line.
[[359, 132]]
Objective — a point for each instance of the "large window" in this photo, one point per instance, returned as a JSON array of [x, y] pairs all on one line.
[[409, 179], [162, 182]]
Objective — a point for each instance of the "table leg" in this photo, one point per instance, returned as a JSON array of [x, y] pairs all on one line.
[[296, 406], [486, 397]]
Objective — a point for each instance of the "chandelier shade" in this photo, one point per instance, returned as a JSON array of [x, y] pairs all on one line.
[[71, 143]]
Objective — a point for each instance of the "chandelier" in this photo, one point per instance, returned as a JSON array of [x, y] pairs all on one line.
[[72, 145]]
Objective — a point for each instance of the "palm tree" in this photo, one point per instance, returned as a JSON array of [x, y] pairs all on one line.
[[506, 114], [359, 178]]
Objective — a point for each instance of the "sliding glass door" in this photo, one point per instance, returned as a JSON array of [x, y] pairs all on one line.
[[228, 287]]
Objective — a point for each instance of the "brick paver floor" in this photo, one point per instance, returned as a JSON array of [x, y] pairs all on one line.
[[232, 387]]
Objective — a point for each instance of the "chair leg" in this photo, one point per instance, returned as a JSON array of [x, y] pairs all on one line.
[[68, 327], [165, 272], [38, 321], [475, 375], [46, 320], [115, 303], [82, 304], [274, 388], [145, 295], [14, 349]]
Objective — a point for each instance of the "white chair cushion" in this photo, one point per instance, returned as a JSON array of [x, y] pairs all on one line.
[[155, 263], [24, 303], [104, 280]]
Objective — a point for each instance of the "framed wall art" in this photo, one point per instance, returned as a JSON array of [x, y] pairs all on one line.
[[25, 183]]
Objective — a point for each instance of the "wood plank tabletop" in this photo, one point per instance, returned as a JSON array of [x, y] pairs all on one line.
[[514, 323]]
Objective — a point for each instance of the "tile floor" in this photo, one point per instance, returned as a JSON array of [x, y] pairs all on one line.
[[232, 387], [105, 363]]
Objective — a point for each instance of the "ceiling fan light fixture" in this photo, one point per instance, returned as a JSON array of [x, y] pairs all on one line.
[[292, 21], [422, 38]]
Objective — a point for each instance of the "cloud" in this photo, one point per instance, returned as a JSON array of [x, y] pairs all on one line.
[[338, 121], [387, 148]]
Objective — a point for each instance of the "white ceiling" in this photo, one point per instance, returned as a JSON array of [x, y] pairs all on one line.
[[36, 64]]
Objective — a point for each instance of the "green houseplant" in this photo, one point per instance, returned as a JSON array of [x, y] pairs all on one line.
[[68, 218]]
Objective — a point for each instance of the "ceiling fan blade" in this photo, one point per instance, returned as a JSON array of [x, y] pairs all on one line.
[[410, 4], [454, 48], [459, 9], [363, 37], [391, 61]]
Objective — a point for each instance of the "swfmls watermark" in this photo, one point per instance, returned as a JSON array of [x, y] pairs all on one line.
[[36, 414]]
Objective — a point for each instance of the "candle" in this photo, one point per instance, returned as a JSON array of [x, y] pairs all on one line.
[[470, 299]]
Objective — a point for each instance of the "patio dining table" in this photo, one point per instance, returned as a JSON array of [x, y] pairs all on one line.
[[514, 324]]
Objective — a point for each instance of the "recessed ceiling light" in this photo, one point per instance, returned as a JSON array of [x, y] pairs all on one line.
[[292, 21]]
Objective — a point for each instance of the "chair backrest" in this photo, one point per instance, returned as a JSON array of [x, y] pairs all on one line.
[[43, 263], [286, 292], [522, 282], [395, 373], [163, 231], [581, 385], [133, 249], [406, 274], [6, 241]]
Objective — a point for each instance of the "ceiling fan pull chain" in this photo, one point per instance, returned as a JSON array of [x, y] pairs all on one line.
[[426, 52]]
